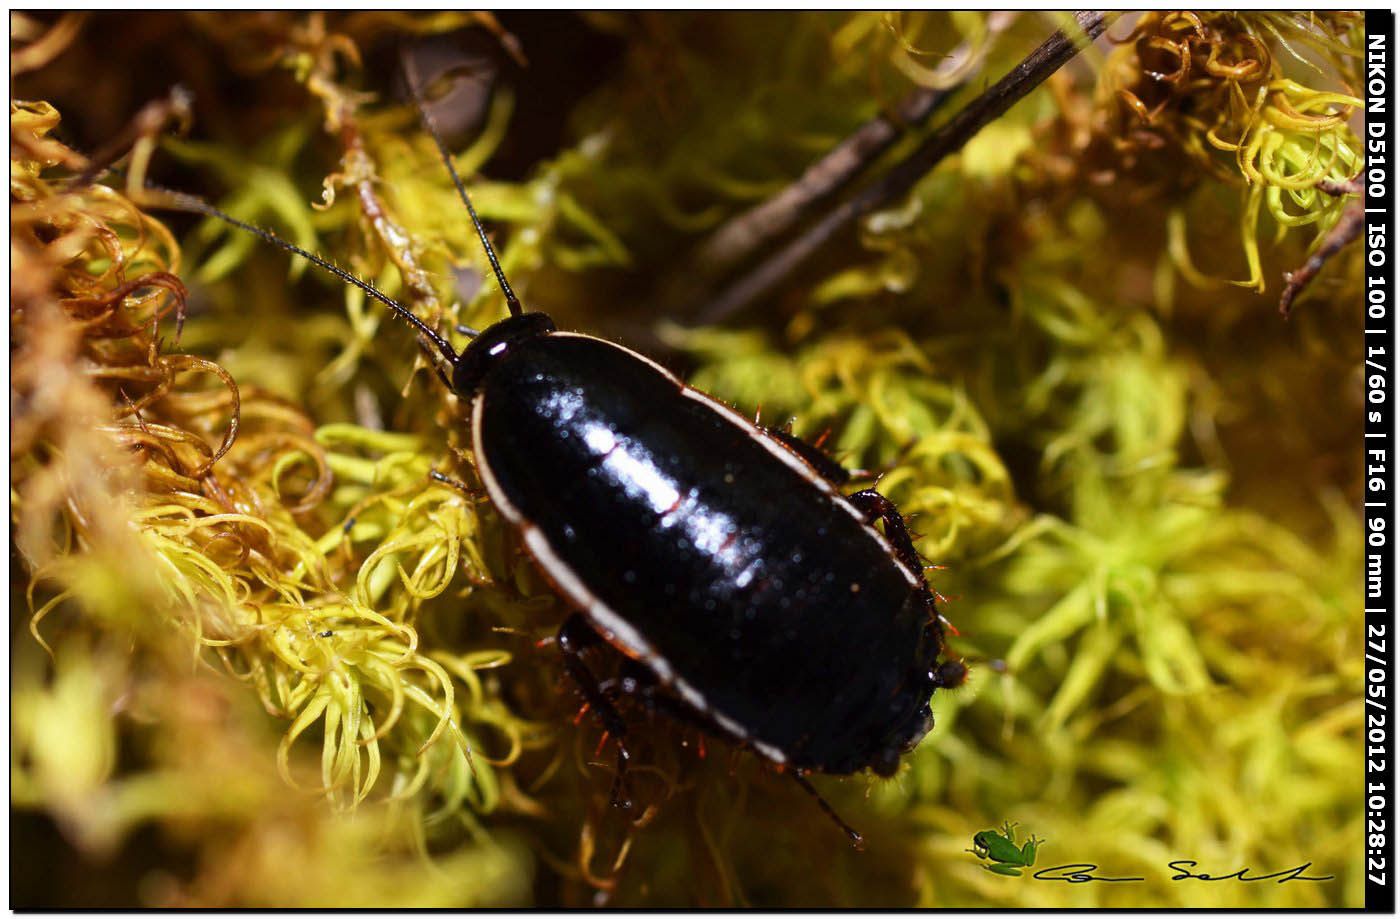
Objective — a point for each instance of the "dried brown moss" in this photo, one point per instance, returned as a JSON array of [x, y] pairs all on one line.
[[1138, 489]]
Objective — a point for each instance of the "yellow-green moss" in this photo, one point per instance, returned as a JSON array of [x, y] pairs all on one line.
[[314, 669]]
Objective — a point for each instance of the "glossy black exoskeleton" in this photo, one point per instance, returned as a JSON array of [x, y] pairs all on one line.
[[707, 549], [751, 596]]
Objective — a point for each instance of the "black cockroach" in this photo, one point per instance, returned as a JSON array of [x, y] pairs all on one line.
[[748, 594]]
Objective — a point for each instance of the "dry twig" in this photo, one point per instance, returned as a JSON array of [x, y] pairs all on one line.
[[1053, 54], [1348, 228]]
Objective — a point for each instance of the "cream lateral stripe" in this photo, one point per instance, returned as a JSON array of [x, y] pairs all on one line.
[[803, 468], [564, 577], [790, 459], [483, 469], [604, 617], [615, 628]]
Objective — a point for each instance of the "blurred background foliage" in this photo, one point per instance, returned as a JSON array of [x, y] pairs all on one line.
[[261, 658]]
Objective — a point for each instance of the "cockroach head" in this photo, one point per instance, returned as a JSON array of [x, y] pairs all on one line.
[[493, 344]]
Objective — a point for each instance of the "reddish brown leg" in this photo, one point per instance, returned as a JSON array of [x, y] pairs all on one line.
[[826, 467], [876, 506], [576, 636]]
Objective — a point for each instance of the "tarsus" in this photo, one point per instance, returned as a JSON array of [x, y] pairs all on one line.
[[856, 839]]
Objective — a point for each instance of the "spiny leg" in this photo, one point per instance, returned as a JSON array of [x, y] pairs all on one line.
[[880, 471], [455, 484], [876, 506], [575, 636], [639, 681], [952, 672], [856, 839], [826, 467]]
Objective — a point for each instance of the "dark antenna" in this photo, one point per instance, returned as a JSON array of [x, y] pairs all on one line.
[[411, 77], [186, 202]]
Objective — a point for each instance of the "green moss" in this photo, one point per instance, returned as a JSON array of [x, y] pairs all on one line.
[[315, 668]]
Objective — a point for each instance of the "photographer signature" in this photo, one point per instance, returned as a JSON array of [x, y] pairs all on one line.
[[1000, 854], [1082, 873]]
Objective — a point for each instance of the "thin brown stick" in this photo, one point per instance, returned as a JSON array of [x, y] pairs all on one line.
[[139, 133], [1336, 189], [745, 235], [1347, 228], [749, 232], [1053, 54]]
